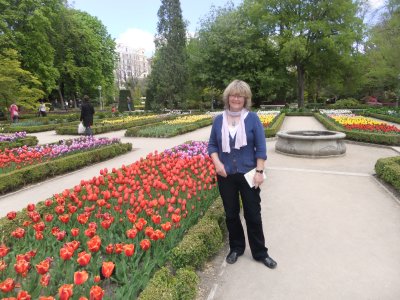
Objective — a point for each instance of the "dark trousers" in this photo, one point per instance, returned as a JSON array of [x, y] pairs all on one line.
[[229, 189], [88, 131]]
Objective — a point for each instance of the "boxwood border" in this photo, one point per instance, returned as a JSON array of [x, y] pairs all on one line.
[[36, 173]]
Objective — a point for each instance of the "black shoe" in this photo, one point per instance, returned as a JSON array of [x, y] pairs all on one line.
[[232, 257], [269, 262]]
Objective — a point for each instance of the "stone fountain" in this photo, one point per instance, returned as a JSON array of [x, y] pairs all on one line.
[[311, 143]]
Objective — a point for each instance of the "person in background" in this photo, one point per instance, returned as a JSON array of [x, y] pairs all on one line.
[[14, 114], [237, 145], [42, 109], [129, 101], [87, 112]]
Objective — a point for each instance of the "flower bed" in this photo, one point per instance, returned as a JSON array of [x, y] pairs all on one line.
[[38, 172], [169, 128], [267, 117], [352, 121], [17, 139], [359, 128], [125, 122], [107, 235], [17, 158]]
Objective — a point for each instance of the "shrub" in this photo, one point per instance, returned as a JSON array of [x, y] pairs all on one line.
[[388, 169]]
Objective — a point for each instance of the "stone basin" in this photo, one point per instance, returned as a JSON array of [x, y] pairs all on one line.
[[311, 143]]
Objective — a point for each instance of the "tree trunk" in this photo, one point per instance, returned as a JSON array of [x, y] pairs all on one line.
[[300, 85]]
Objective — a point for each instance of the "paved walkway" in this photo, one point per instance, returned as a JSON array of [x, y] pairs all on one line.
[[331, 226]]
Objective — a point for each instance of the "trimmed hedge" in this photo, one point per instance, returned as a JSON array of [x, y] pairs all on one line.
[[166, 286], [36, 173], [135, 131], [26, 141], [359, 136], [275, 126], [103, 128], [201, 242], [388, 169]]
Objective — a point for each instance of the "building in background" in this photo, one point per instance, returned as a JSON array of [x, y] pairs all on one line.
[[132, 66]]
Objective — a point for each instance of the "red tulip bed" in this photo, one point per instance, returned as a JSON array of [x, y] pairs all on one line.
[[352, 121], [17, 158], [105, 237]]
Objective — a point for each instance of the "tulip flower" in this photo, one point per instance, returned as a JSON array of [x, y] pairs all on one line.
[[43, 266], [145, 244], [96, 293], [107, 269], [7, 285], [129, 249], [65, 292], [21, 266], [45, 279], [84, 258], [11, 215], [80, 277], [4, 250]]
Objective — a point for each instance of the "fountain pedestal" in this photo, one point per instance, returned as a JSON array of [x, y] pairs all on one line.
[[311, 143]]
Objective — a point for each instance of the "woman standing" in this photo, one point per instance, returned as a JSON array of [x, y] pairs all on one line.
[[87, 112], [237, 145], [14, 112]]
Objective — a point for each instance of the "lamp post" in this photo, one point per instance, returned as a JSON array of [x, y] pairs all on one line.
[[101, 102]]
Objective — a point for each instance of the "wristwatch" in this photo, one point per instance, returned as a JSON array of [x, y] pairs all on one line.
[[260, 171]]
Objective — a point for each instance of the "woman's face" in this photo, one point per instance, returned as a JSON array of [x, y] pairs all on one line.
[[236, 102]]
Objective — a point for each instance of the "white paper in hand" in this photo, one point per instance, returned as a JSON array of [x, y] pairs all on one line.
[[250, 176]]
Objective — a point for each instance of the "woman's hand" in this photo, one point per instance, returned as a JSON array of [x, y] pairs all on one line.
[[220, 169], [258, 179]]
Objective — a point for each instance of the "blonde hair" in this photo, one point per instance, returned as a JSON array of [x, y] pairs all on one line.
[[237, 87]]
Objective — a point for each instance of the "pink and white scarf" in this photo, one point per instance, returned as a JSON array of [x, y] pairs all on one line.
[[241, 138]]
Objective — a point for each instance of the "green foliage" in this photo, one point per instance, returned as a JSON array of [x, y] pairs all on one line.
[[275, 126], [17, 84], [346, 103], [122, 102], [166, 286], [388, 169], [382, 52], [168, 79], [27, 141]]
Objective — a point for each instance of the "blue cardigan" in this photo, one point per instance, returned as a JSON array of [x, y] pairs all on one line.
[[244, 159]]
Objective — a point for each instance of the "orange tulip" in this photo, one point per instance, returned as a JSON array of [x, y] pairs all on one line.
[[145, 244], [3, 250], [94, 244], [7, 285], [45, 279], [84, 258], [23, 295], [107, 269], [21, 266], [129, 249], [66, 291], [96, 293], [80, 277], [43, 266]]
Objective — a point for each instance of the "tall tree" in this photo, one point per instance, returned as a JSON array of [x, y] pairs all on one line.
[[229, 47], [308, 31], [17, 84], [168, 79], [85, 56], [383, 53]]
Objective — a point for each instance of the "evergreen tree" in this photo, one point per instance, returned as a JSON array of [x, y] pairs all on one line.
[[168, 79]]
